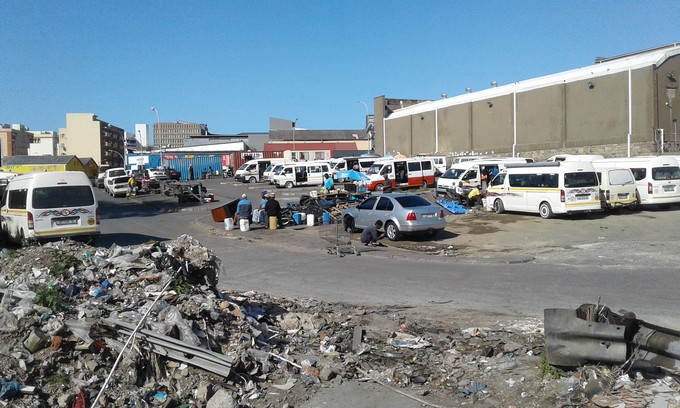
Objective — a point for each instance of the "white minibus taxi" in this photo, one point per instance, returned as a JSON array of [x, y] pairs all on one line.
[[545, 188], [302, 174], [402, 173], [463, 177], [657, 177], [617, 187], [252, 171], [50, 205]]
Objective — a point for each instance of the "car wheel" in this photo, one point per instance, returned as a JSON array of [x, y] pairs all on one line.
[[392, 231], [498, 206], [545, 211], [289, 184], [379, 187], [349, 225], [252, 180], [424, 185]]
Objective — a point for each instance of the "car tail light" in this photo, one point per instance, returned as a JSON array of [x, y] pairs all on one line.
[[561, 196], [97, 215], [411, 216], [650, 188], [441, 214], [29, 220]]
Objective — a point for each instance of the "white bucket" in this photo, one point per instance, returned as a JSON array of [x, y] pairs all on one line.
[[244, 225], [310, 220], [228, 224]]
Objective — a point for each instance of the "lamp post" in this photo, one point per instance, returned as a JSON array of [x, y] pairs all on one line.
[[366, 125], [294, 125], [158, 123], [118, 153]]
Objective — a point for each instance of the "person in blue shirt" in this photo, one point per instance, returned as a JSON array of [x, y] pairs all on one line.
[[244, 208], [264, 220], [328, 183]]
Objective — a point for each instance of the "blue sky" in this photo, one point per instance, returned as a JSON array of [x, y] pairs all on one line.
[[234, 64]]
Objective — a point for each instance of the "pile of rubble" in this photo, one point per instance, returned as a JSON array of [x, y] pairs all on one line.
[[147, 326]]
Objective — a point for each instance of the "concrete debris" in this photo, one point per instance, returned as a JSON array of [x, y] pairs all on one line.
[[67, 312]]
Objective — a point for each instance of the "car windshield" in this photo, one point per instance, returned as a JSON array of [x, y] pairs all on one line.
[[581, 179], [411, 201], [115, 173], [666, 173], [375, 168], [453, 173], [62, 196]]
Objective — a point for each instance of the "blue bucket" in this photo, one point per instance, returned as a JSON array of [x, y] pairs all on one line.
[[326, 218], [297, 218]]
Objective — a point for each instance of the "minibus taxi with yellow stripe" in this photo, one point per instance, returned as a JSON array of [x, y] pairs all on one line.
[[546, 188], [49, 205]]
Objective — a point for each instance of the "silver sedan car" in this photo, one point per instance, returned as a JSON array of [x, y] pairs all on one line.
[[401, 213]]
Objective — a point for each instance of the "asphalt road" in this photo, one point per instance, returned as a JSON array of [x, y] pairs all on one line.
[[614, 269]]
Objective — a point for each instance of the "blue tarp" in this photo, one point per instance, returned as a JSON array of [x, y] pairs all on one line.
[[351, 175], [453, 206]]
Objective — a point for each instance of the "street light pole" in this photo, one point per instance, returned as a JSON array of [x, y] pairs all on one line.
[[118, 153], [294, 125], [368, 131], [158, 123]]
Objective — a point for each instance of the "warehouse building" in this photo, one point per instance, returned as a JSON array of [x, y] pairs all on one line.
[[620, 106]]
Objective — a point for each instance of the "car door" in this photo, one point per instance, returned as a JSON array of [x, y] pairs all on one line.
[[364, 215], [384, 210]]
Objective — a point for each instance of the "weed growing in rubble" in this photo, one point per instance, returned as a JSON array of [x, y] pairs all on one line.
[[49, 297], [58, 379], [63, 262], [547, 371], [179, 284]]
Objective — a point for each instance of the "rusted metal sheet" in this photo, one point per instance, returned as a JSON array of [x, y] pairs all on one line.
[[594, 334], [572, 341]]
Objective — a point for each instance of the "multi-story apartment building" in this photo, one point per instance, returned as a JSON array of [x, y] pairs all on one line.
[[170, 135], [14, 140], [44, 143], [87, 136]]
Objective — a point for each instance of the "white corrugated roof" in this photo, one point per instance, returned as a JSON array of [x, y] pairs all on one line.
[[218, 147], [634, 61]]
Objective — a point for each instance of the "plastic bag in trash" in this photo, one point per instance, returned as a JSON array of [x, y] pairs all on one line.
[[9, 389]]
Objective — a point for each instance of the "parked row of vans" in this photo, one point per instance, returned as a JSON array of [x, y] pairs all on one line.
[[464, 176], [565, 186], [49, 205]]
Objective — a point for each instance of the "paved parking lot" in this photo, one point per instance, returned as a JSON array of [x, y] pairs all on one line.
[[622, 238]]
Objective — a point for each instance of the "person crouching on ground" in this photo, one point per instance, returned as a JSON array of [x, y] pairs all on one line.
[[244, 209], [371, 235]]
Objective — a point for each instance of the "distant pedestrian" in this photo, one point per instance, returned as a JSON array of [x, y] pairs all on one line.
[[371, 235], [264, 219], [191, 172], [328, 183], [273, 208], [244, 209]]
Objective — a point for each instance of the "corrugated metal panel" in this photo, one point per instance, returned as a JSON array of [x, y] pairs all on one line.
[[239, 158], [200, 163]]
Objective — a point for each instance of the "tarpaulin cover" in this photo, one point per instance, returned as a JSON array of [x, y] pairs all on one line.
[[453, 206], [351, 175]]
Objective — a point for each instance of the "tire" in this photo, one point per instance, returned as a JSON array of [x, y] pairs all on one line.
[[545, 211], [252, 180], [349, 225], [424, 185], [289, 184], [392, 231], [379, 187], [498, 206]]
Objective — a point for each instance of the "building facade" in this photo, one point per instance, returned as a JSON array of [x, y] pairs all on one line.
[[87, 136], [14, 140], [44, 143], [620, 106], [167, 135]]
